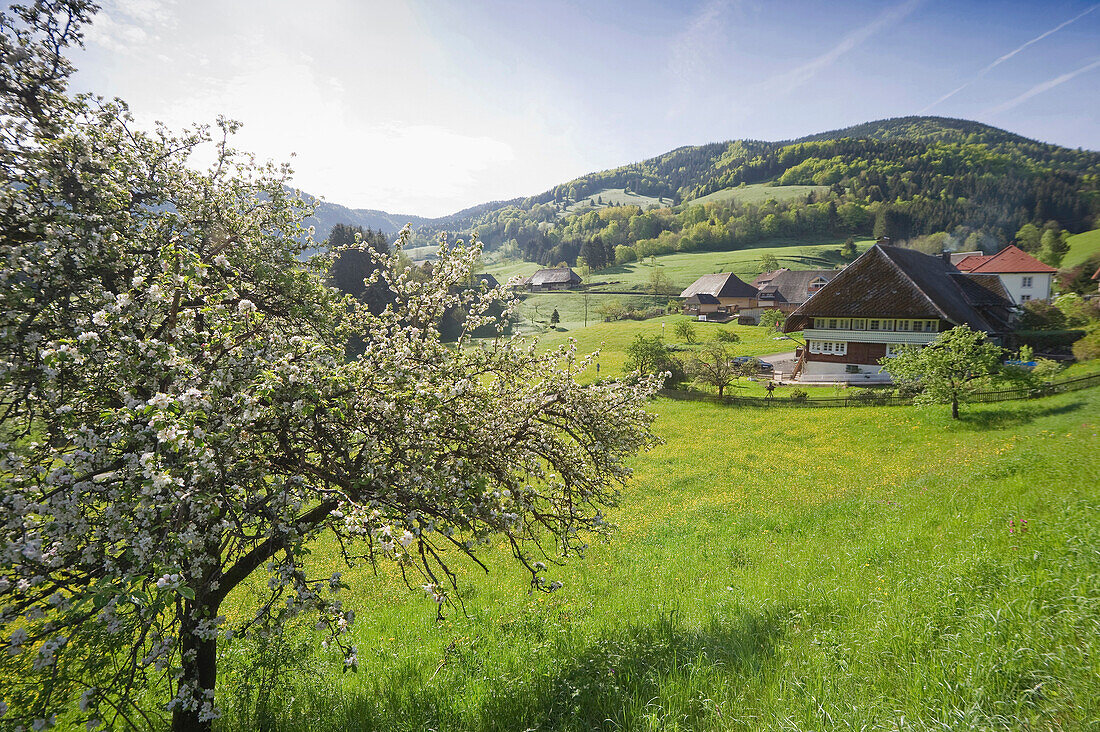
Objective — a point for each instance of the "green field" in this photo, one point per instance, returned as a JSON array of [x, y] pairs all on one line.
[[612, 339], [774, 569], [683, 269], [758, 193], [617, 197], [1081, 247]]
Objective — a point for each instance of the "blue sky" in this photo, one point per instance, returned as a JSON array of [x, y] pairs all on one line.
[[428, 107]]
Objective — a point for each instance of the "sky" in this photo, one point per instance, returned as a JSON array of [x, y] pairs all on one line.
[[426, 107]]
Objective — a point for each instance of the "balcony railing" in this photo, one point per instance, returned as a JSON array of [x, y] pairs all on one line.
[[869, 336]]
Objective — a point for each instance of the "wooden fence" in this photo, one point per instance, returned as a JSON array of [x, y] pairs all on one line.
[[869, 397]]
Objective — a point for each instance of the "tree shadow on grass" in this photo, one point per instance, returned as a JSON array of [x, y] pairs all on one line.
[[623, 680], [618, 682], [996, 418]]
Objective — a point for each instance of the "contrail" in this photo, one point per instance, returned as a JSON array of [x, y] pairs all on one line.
[[1009, 55], [1040, 88], [800, 75]]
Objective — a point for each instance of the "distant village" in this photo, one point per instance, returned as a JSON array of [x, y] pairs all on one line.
[[851, 318]]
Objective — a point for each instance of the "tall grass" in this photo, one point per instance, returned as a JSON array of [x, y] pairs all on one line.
[[861, 569]]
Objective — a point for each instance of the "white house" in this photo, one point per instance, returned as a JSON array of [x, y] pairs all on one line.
[[1024, 277]]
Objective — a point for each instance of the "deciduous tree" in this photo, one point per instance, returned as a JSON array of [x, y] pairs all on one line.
[[714, 366], [773, 320], [949, 369], [178, 416]]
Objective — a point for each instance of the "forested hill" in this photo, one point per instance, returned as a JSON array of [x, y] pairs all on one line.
[[904, 178], [327, 215]]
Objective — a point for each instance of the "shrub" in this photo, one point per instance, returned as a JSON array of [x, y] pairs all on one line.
[[625, 254], [726, 335], [1047, 340], [1087, 348], [798, 395], [685, 331]]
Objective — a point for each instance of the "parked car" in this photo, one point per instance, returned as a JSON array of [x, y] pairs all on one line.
[[755, 363]]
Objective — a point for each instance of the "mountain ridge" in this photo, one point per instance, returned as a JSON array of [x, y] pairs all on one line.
[[692, 171]]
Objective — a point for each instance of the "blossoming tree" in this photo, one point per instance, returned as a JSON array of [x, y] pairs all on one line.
[[177, 414]]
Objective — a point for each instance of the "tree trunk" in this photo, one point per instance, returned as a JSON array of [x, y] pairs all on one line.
[[955, 408], [200, 672]]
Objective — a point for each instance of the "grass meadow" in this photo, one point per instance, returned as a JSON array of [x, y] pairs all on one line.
[[683, 269], [758, 193], [861, 568], [1081, 247]]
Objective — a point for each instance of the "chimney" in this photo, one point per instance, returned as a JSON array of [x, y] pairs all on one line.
[[946, 256]]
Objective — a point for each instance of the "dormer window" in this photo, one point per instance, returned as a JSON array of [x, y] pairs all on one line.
[[816, 284]]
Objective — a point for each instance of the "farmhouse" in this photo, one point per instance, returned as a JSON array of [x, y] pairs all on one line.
[[560, 278], [720, 295], [786, 290], [888, 298], [1024, 277]]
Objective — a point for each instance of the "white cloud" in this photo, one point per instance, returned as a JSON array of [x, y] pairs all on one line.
[[116, 35], [129, 26]]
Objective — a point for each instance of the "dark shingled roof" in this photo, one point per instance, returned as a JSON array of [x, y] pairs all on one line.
[[702, 298], [892, 282], [792, 285], [765, 277], [553, 277], [725, 284]]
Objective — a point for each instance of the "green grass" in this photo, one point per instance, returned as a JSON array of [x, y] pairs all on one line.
[[617, 197], [683, 269], [612, 339], [779, 569], [1081, 247], [758, 193], [537, 308]]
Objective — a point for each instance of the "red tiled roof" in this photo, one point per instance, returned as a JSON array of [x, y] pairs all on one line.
[[968, 262], [1009, 260]]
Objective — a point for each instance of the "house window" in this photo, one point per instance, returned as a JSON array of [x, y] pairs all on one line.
[[894, 349], [874, 325], [832, 323], [903, 325], [1025, 298], [832, 348], [1026, 281], [859, 324]]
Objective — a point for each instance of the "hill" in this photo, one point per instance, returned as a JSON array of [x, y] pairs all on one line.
[[328, 214], [1081, 247], [901, 178]]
